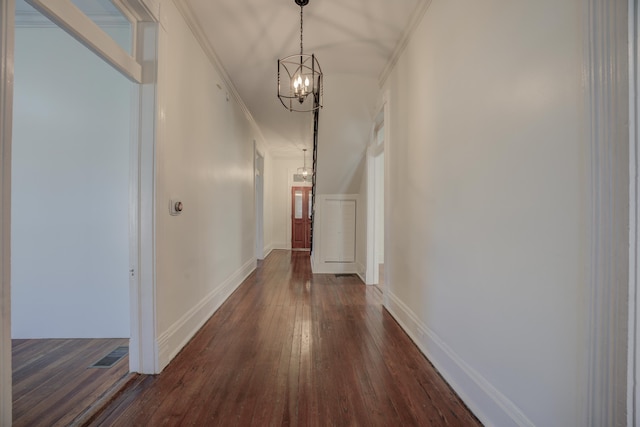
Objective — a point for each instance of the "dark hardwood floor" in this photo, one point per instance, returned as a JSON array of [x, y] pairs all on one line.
[[53, 384], [292, 348]]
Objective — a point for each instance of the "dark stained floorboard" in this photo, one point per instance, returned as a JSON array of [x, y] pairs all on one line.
[[292, 348], [52, 382]]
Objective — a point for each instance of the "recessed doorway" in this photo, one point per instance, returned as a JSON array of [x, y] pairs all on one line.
[[301, 218], [72, 138]]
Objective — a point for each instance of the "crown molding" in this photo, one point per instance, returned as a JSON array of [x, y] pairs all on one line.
[[198, 33], [416, 18]]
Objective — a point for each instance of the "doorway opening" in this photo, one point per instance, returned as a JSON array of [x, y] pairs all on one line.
[[301, 218], [139, 313], [72, 131]]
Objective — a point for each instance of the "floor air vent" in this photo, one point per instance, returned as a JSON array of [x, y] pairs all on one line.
[[345, 275], [112, 358]]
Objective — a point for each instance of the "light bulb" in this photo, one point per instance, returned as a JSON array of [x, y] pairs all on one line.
[[304, 172], [295, 84], [306, 82]]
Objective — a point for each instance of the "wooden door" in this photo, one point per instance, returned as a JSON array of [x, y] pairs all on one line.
[[301, 217]]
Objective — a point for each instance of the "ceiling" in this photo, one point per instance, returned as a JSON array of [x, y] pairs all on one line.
[[352, 39]]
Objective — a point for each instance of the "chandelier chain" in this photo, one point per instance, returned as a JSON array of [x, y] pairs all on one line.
[[301, 7]]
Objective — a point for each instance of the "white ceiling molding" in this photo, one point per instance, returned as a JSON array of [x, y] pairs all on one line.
[[191, 21], [416, 18]]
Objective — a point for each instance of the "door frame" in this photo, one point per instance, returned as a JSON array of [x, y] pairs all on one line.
[[290, 185], [143, 351], [609, 187], [306, 189], [7, 13], [633, 347], [373, 151], [258, 185], [143, 348]]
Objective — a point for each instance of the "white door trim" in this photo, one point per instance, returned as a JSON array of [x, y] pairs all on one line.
[[372, 271], [633, 347], [7, 14], [258, 188], [290, 185], [605, 71], [71, 19], [143, 355], [143, 348]]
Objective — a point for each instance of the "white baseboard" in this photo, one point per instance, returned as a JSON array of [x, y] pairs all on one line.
[[178, 335], [362, 272], [267, 250], [490, 406], [281, 245], [333, 268]]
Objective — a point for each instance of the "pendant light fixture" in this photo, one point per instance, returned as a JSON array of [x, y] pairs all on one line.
[[304, 171], [300, 77]]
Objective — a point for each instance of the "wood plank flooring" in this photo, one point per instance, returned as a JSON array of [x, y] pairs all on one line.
[[52, 382], [292, 348]]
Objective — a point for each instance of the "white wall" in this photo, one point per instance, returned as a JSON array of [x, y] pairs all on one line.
[[343, 134], [70, 190], [204, 158], [487, 208]]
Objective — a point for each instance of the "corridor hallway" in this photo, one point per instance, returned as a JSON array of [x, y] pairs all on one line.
[[292, 348]]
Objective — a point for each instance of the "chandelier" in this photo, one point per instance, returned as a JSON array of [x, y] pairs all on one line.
[[304, 171], [299, 76]]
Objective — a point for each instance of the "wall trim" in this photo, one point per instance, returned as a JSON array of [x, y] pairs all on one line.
[[633, 349], [285, 246], [143, 350], [38, 20], [373, 151], [178, 335], [485, 401], [267, 250], [82, 28], [6, 113], [416, 18], [362, 272], [606, 77], [335, 268], [196, 29]]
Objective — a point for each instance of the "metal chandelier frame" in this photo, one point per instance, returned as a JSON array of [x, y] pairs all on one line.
[[302, 77]]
